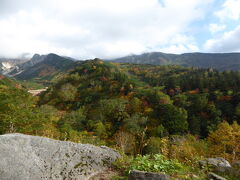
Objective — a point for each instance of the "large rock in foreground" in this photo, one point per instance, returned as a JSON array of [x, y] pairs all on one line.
[[24, 157]]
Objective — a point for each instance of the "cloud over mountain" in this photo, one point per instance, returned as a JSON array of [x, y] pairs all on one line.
[[98, 28]]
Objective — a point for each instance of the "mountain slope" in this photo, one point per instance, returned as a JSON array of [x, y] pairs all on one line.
[[220, 61], [7, 65], [45, 67], [87, 83], [155, 58], [6, 82]]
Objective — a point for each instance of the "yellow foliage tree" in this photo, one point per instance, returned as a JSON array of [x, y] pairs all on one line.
[[225, 141], [187, 149]]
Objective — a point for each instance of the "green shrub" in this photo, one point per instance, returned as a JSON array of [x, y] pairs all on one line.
[[156, 163], [150, 163]]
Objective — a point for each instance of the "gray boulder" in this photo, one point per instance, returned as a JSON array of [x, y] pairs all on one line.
[[215, 163], [141, 175], [24, 157], [213, 176], [220, 165]]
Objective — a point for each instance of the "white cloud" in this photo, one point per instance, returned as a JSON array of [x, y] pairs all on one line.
[[98, 28], [180, 48], [228, 42], [230, 10], [179, 44], [214, 28]]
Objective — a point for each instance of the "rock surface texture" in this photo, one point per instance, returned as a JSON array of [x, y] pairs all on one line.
[[213, 176], [141, 175], [24, 157], [221, 165], [215, 162]]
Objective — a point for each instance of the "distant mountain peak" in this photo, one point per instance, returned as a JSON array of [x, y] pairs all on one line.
[[35, 56], [42, 66], [38, 65]]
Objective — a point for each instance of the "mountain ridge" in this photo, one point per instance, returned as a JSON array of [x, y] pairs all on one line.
[[45, 66], [39, 66], [219, 61]]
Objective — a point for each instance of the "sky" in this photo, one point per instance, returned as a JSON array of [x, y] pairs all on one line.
[[86, 29]]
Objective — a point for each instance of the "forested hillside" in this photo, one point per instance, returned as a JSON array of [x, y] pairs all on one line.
[[19, 112], [182, 113], [179, 100]]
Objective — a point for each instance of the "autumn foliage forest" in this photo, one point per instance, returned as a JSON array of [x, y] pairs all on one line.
[[182, 113]]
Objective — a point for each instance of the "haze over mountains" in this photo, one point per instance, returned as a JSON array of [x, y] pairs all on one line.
[[45, 66]]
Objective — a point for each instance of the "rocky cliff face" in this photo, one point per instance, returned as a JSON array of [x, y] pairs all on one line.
[[20, 67], [6, 67], [9, 65], [31, 157]]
